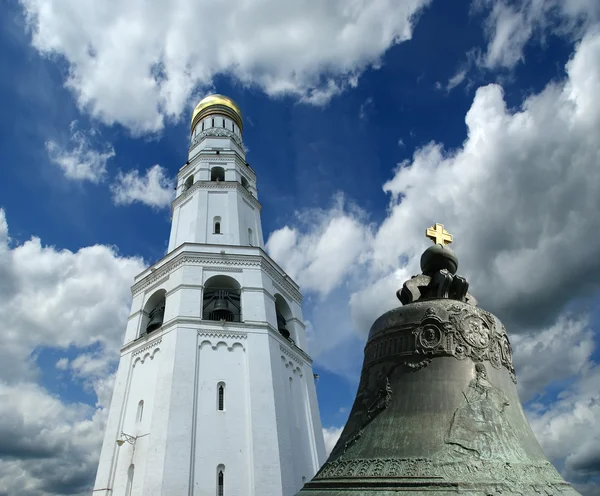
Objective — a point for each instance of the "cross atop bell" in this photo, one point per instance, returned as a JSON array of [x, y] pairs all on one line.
[[438, 234]]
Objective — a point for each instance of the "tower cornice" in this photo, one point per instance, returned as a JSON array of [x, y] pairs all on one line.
[[211, 157], [216, 185], [210, 256], [217, 132]]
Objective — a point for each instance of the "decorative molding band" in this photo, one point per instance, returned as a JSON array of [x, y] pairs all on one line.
[[281, 282], [488, 471], [224, 269], [464, 332], [223, 334], [246, 195], [149, 346], [186, 257], [291, 355], [220, 263], [217, 132], [199, 157]]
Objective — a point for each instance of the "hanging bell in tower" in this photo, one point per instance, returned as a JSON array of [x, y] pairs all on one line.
[[437, 410], [156, 318], [221, 309], [221, 305], [281, 326]]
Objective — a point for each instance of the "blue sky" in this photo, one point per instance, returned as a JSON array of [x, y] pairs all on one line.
[[364, 125]]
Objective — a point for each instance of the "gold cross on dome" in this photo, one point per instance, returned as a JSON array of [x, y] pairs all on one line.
[[439, 235]]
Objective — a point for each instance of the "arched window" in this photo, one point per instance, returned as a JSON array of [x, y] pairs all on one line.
[[217, 174], [244, 182], [221, 396], [140, 411], [224, 123], [284, 314], [250, 238], [221, 301], [188, 183], [212, 123], [202, 125], [129, 480], [154, 312], [220, 480], [217, 225]]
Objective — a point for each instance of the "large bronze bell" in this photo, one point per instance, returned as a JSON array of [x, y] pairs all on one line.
[[437, 410]]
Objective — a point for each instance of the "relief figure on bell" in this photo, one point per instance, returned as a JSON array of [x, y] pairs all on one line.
[[480, 426]]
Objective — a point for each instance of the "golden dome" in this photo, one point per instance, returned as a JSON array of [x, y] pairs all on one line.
[[217, 104]]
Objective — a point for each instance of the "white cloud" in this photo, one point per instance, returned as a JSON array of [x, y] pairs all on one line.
[[47, 447], [331, 435], [456, 80], [62, 363], [320, 259], [57, 299], [137, 64], [81, 161], [520, 196], [365, 108], [542, 358], [154, 189], [509, 31], [569, 431], [510, 26]]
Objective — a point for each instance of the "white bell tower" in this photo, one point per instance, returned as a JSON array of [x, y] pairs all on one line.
[[214, 394]]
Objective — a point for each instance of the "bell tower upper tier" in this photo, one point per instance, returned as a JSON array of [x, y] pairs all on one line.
[[217, 200]]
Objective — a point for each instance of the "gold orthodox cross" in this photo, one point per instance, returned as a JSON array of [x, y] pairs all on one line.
[[439, 235]]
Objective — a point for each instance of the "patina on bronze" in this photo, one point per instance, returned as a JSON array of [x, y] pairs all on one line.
[[437, 410]]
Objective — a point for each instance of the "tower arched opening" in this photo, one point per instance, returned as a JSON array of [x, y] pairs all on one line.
[[188, 183], [217, 174], [284, 315], [154, 312], [217, 225], [221, 480], [245, 183], [222, 300]]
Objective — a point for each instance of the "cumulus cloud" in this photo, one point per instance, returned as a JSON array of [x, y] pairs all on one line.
[[57, 299], [321, 255], [154, 189], [137, 64], [520, 196], [569, 432], [47, 447], [81, 161], [542, 358]]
